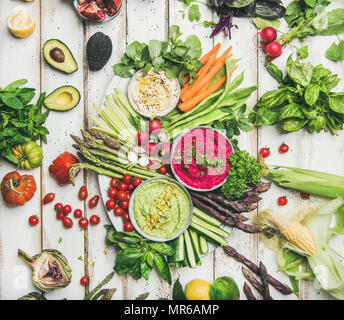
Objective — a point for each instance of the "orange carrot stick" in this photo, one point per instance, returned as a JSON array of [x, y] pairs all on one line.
[[202, 83], [207, 56], [190, 104]]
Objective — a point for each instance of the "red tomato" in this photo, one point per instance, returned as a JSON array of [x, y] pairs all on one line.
[[118, 211], [83, 193], [67, 222], [128, 227], [122, 186], [137, 181], [77, 213], [112, 193], [83, 223], [84, 281], [92, 203], [163, 170], [48, 198], [114, 182], [282, 201], [67, 209], [60, 216], [126, 178], [131, 187], [60, 167], [33, 220], [304, 196], [284, 148], [264, 152], [124, 204], [128, 196], [121, 195], [110, 204], [94, 220], [125, 217], [58, 207]]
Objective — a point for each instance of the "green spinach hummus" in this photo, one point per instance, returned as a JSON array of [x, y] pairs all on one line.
[[161, 208]]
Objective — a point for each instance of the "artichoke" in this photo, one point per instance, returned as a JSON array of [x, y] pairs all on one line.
[[50, 269], [33, 296]]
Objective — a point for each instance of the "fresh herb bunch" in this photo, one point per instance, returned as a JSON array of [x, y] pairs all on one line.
[[309, 18], [138, 256], [303, 100], [175, 56], [245, 171], [20, 121]]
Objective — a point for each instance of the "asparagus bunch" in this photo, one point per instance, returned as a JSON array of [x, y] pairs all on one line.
[[104, 155]]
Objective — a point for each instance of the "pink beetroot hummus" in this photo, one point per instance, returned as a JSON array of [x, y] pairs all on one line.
[[200, 158]]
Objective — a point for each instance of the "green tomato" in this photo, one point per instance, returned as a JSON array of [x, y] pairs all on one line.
[[29, 155]]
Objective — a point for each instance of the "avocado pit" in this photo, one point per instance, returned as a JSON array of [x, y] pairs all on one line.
[[57, 55]]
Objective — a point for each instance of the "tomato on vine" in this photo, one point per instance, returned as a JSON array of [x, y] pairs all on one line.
[[264, 152], [283, 148]]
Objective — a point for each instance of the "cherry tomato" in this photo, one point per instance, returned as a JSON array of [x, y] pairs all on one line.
[[112, 193], [77, 213], [137, 181], [124, 204], [125, 217], [304, 196], [60, 216], [131, 187], [264, 152], [110, 204], [122, 186], [128, 227], [128, 196], [83, 193], [33, 220], [67, 222], [284, 148], [94, 220], [126, 178], [58, 207], [83, 223], [114, 182], [282, 201], [84, 281], [48, 198], [92, 203], [121, 195], [67, 209], [118, 211], [163, 170]]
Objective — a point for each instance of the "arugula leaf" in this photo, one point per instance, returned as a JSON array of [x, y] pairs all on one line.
[[336, 52]]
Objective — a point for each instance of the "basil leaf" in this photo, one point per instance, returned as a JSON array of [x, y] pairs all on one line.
[[336, 102], [194, 14], [163, 267], [336, 52], [178, 292], [312, 94], [162, 247]]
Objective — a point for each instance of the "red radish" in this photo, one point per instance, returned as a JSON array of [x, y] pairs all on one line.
[[267, 35], [273, 49], [154, 126], [142, 138], [152, 148]]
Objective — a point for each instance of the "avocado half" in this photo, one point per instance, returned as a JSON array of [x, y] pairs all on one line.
[[58, 55], [62, 99]]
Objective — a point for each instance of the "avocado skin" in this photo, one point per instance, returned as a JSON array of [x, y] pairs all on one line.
[[75, 93], [98, 51], [55, 43]]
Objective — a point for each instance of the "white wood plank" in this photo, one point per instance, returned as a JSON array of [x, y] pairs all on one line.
[[18, 59], [60, 21]]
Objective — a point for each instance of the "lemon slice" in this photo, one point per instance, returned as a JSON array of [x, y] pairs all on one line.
[[21, 23]]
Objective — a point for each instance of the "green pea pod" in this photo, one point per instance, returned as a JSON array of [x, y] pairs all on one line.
[[28, 155]]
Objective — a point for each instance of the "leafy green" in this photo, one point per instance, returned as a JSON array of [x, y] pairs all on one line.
[[336, 51], [178, 292], [302, 100], [194, 13], [20, 120], [224, 288], [137, 256], [261, 23], [245, 170], [178, 58]]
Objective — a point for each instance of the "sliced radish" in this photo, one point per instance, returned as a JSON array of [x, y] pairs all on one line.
[[162, 136], [143, 162], [139, 149], [132, 157], [154, 165]]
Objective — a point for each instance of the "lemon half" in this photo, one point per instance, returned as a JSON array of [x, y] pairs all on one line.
[[197, 289], [21, 23]]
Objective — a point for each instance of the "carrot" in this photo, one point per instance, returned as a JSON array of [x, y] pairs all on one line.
[[190, 104], [207, 56], [201, 73], [202, 83]]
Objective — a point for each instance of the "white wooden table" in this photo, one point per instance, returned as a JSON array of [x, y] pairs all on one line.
[[139, 20]]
